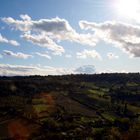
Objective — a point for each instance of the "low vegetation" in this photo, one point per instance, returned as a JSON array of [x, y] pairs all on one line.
[[73, 107]]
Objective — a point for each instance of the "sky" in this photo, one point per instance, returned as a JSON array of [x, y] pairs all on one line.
[[51, 37]]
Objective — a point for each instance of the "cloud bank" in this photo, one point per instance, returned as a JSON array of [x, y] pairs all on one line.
[[17, 70]]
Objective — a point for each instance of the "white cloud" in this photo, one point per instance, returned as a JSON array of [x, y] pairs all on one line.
[[44, 41], [60, 29], [17, 55], [112, 71], [43, 55], [25, 17], [20, 70], [122, 35], [11, 42], [111, 55], [22, 25], [47, 33], [87, 53], [54, 29], [54, 25], [14, 42], [12, 70]]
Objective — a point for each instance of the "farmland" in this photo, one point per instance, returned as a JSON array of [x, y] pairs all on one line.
[[79, 107]]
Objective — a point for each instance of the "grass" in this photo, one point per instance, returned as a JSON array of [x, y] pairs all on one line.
[[40, 108], [98, 92], [131, 84], [134, 109], [109, 116], [98, 96], [38, 101]]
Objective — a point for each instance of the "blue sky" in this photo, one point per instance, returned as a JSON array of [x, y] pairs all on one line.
[[57, 37]]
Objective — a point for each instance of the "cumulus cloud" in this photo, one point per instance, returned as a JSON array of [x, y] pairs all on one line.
[[54, 25], [47, 32], [22, 25], [43, 55], [44, 41], [60, 29], [123, 35], [52, 29], [85, 69], [111, 55], [11, 42], [17, 55], [88, 53]]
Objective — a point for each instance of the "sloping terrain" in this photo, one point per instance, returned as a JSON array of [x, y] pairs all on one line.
[[80, 107]]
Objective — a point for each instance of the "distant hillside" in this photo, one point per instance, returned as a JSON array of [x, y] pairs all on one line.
[[78, 107]]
